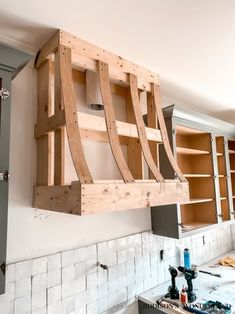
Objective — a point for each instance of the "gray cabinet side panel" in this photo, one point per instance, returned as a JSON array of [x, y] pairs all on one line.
[[165, 220], [4, 165]]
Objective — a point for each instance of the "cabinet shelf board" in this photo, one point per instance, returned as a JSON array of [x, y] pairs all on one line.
[[232, 171], [219, 154], [198, 200], [197, 175], [189, 226], [223, 198], [231, 151], [191, 151]]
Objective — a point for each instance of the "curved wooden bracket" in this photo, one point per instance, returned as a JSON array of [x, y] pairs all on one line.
[[165, 139], [69, 101], [111, 122], [141, 130]]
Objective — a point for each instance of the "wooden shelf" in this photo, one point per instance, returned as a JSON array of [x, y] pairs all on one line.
[[219, 154], [223, 198], [232, 171], [231, 151], [198, 200], [221, 175], [195, 225], [197, 175], [191, 151]]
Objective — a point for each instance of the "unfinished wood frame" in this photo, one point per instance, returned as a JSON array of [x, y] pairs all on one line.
[[61, 55]]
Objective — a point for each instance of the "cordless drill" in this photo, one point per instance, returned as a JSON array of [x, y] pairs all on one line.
[[173, 291], [189, 275]]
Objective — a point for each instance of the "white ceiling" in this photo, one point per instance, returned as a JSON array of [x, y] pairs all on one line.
[[190, 43]]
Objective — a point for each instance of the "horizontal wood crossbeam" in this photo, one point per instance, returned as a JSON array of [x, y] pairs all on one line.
[[109, 196], [85, 56], [96, 124]]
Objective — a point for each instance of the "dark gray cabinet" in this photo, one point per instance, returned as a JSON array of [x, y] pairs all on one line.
[[11, 61], [205, 152]]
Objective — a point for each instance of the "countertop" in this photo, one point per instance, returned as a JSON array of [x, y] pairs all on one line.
[[225, 286]]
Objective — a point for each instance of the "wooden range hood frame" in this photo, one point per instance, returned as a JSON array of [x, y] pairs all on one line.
[[55, 62]]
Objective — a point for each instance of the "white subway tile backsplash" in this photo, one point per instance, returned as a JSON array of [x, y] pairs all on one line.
[[102, 305], [102, 276], [80, 255], [68, 273], [53, 294], [67, 258], [68, 305], [7, 307], [39, 265], [54, 308], [23, 270], [39, 299], [10, 273], [92, 281], [42, 310], [91, 308], [54, 262], [70, 282], [9, 293], [23, 287], [117, 298], [23, 305], [54, 278], [39, 282]]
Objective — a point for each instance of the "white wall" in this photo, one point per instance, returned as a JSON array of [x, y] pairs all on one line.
[[33, 232]]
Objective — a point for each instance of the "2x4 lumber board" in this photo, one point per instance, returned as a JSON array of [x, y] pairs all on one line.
[[87, 199], [50, 47], [134, 152], [111, 123], [86, 49], [141, 130], [90, 135], [59, 156], [117, 77], [50, 124], [72, 127], [107, 197], [59, 198], [59, 135], [165, 139], [95, 123], [44, 176], [152, 123]]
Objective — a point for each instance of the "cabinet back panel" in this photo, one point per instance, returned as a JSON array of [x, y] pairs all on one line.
[[225, 210], [196, 141], [201, 212], [197, 164], [201, 188]]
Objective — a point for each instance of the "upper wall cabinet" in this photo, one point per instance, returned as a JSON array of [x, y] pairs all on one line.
[[61, 119], [204, 151], [11, 61]]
